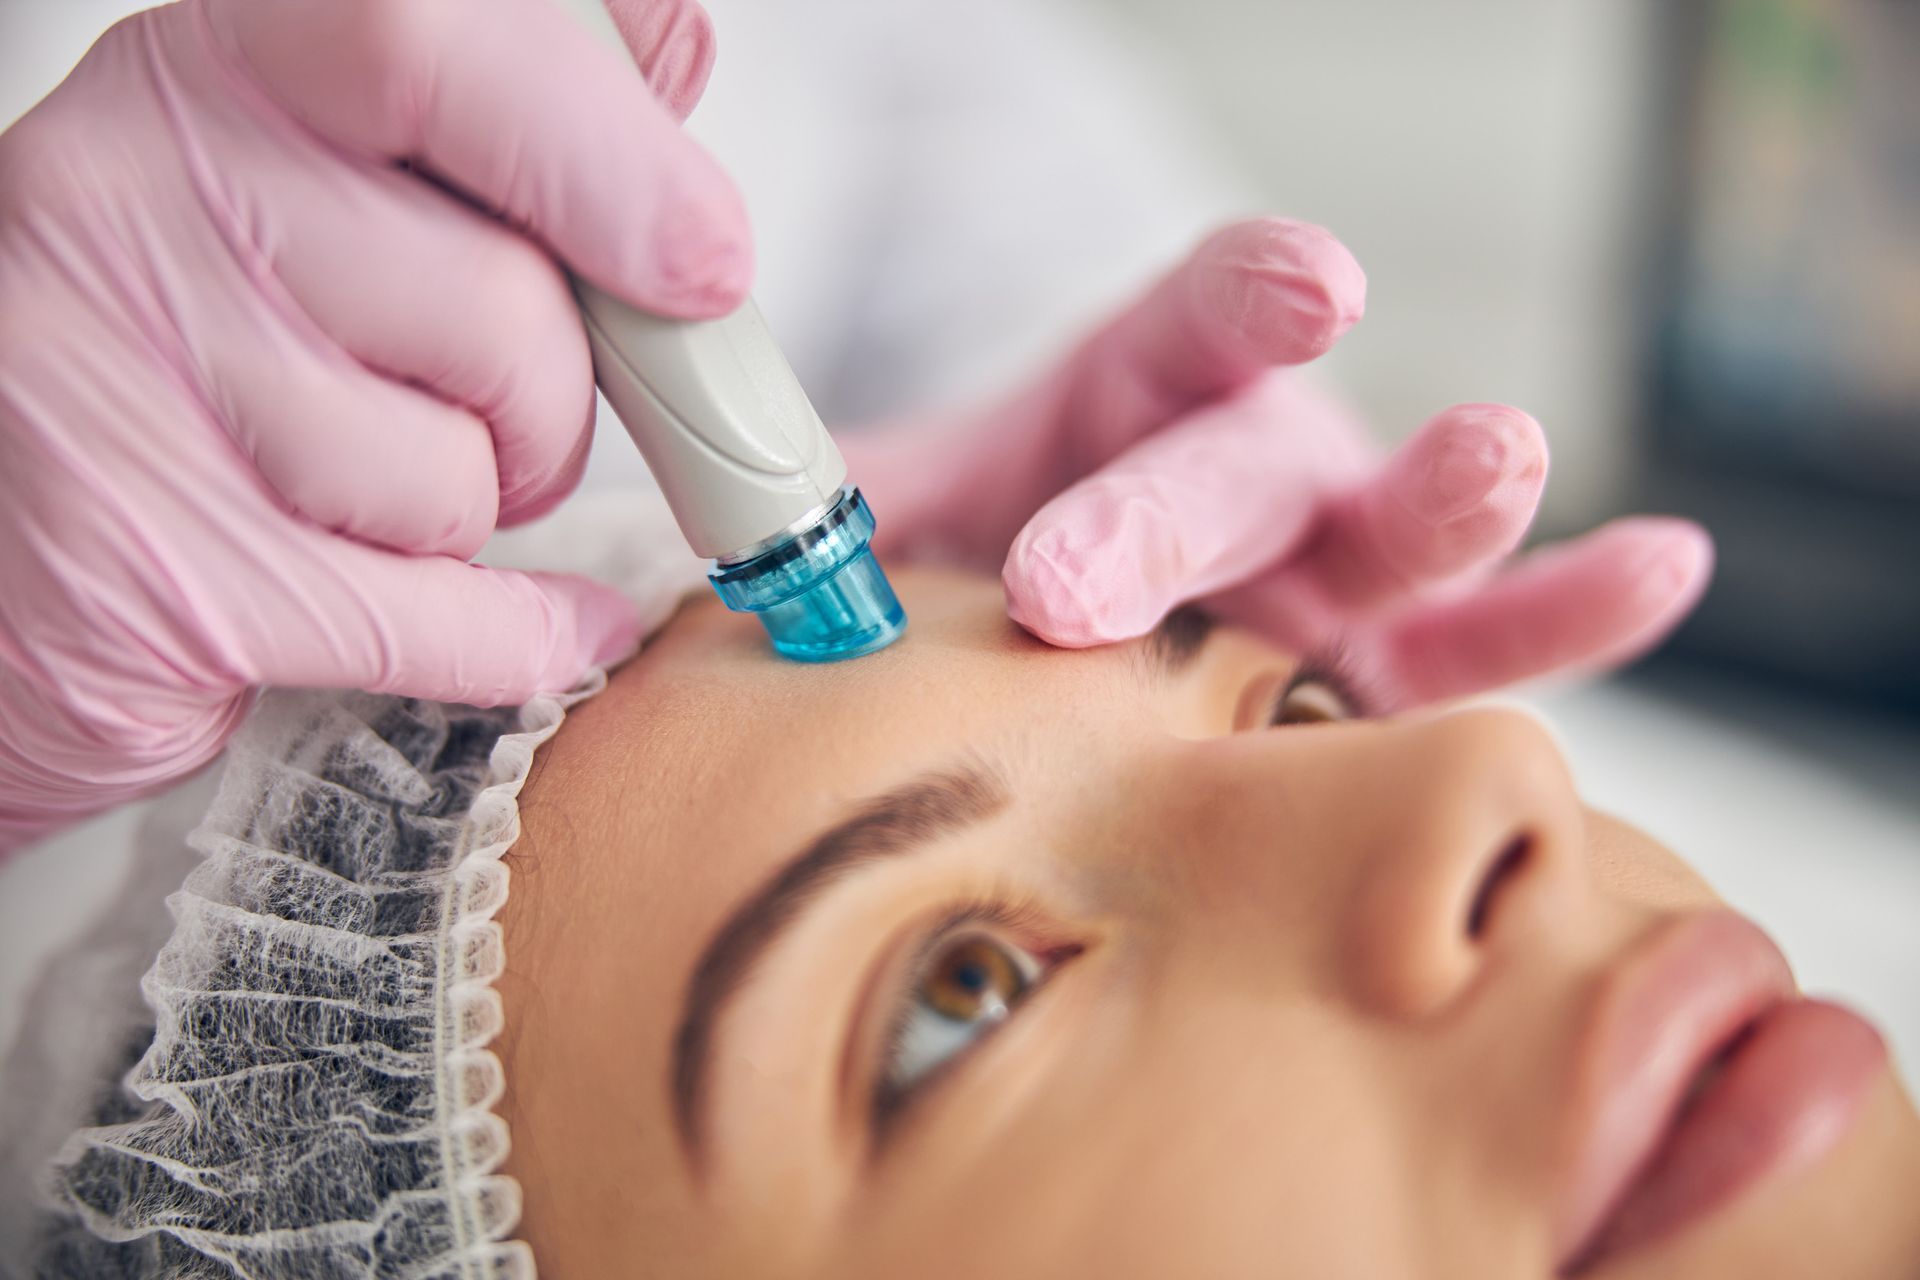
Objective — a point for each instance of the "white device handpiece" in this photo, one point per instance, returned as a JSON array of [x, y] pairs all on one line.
[[713, 405]]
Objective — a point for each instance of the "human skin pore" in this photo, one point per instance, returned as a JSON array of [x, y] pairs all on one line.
[[1317, 999]]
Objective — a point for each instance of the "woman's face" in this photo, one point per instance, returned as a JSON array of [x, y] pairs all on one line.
[[978, 958]]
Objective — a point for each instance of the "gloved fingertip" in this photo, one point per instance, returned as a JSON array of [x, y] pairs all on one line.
[[1667, 564], [606, 627], [1673, 567], [1032, 612], [1642, 574], [703, 254], [672, 40], [1291, 288], [1469, 458], [610, 633], [1068, 591]]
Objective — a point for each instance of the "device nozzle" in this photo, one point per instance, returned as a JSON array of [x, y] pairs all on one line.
[[820, 593]]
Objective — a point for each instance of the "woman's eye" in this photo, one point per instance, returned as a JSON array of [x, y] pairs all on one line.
[[965, 986], [1311, 699]]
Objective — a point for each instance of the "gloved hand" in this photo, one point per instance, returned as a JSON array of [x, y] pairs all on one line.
[[283, 338], [1168, 460]]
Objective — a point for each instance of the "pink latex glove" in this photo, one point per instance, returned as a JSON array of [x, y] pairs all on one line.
[[265, 384], [1167, 460]]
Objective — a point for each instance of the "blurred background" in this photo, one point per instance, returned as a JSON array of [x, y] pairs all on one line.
[[1686, 237]]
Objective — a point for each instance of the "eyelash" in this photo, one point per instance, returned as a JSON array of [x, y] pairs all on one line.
[[1010, 915], [1335, 667]]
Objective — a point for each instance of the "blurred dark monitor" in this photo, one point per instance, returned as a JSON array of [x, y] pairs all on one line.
[[1783, 368]]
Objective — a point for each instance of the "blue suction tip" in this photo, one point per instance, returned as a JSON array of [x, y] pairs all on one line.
[[820, 594]]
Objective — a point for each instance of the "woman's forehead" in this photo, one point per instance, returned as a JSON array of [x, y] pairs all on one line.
[[708, 742]]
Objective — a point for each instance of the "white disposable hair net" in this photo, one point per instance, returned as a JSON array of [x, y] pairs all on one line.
[[316, 1097]]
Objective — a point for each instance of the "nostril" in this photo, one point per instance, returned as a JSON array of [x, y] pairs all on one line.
[[1501, 870]]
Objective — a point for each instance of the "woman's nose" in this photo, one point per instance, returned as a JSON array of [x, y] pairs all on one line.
[[1413, 854]]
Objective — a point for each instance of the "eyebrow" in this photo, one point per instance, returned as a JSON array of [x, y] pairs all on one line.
[[898, 823], [1177, 641], [895, 824]]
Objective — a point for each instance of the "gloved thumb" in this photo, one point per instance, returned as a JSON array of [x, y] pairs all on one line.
[[437, 627]]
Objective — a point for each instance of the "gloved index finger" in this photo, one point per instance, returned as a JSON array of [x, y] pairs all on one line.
[[520, 109], [1212, 500]]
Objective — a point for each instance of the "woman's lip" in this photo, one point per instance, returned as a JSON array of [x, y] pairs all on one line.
[[1676, 1001], [1786, 1097]]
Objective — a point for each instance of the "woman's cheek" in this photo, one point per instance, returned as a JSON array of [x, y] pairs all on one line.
[[1630, 865]]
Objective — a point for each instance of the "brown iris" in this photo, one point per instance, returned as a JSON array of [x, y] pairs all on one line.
[[972, 978]]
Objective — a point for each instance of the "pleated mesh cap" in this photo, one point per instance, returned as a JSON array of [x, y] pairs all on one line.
[[317, 1097]]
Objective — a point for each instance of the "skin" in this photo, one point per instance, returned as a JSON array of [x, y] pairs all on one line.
[[1279, 1052]]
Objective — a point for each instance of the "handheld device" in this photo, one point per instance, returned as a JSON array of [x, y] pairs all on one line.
[[748, 468]]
